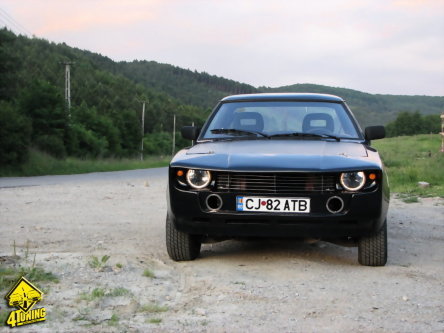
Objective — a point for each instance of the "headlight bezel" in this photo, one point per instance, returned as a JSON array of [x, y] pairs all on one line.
[[346, 186], [189, 180]]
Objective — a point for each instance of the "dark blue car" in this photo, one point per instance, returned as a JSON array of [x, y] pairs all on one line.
[[279, 165]]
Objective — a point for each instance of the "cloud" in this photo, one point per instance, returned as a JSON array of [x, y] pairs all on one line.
[[54, 16]]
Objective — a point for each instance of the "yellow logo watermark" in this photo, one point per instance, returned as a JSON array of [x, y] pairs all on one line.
[[23, 296]]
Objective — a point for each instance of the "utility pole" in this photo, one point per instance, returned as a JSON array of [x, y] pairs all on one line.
[[192, 141], [174, 135], [68, 85], [442, 132], [143, 127]]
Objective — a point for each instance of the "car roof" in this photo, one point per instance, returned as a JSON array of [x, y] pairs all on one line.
[[283, 97]]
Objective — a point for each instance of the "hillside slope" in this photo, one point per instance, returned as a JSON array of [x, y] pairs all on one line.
[[371, 109], [98, 80], [106, 114], [200, 89], [204, 90]]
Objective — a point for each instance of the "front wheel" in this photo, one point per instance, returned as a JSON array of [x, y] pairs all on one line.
[[372, 250], [180, 245]]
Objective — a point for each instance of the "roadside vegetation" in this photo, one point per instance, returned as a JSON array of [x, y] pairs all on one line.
[[13, 267], [40, 163], [89, 299], [413, 159], [98, 293], [149, 273]]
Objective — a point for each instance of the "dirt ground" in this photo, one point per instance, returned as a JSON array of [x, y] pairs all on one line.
[[257, 286]]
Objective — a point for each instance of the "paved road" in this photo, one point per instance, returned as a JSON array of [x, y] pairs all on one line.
[[6, 182]]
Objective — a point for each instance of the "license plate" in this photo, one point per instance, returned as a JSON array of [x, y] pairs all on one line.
[[277, 205]]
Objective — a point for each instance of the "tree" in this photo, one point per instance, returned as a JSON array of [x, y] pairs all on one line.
[[8, 65], [93, 134], [44, 105], [407, 123], [15, 134]]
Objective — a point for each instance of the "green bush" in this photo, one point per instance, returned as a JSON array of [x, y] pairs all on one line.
[[51, 144], [86, 143], [43, 104], [161, 143], [157, 143], [96, 133], [15, 133], [408, 123]]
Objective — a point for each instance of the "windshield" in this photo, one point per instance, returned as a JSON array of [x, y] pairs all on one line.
[[280, 118]]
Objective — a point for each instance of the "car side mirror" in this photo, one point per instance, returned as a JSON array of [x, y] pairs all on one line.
[[190, 132], [374, 132]]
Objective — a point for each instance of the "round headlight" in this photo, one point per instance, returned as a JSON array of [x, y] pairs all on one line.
[[198, 178], [353, 181]]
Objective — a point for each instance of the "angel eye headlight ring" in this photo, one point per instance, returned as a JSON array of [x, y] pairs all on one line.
[[353, 181], [198, 179]]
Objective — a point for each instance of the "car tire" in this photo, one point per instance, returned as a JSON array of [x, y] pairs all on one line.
[[180, 245], [372, 250]]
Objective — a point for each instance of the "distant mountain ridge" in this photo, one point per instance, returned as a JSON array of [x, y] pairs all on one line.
[[204, 90], [98, 81], [371, 109], [107, 97]]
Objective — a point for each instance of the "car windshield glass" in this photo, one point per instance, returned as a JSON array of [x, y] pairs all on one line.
[[278, 119]]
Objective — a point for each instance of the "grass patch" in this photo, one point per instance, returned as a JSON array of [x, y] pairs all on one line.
[[154, 321], [149, 273], [98, 293], [153, 308], [37, 274], [411, 159], [9, 276], [98, 264], [4, 313], [119, 291], [114, 320], [40, 163], [411, 199], [408, 198]]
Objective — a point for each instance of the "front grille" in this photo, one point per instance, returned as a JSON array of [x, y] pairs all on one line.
[[275, 183]]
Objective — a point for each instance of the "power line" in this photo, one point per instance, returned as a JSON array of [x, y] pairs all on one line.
[[10, 22], [15, 22]]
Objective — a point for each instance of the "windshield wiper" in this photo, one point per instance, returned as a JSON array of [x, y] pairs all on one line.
[[299, 134], [235, 131]]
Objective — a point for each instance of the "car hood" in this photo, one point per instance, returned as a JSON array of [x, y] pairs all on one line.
[[278, 155]]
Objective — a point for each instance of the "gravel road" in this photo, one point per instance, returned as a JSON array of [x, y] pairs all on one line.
[[256, 286]]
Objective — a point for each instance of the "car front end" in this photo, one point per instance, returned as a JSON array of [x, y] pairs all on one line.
[[284, 201], [279, 165]]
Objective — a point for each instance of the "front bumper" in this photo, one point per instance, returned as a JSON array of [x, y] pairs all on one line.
[[363, 214]]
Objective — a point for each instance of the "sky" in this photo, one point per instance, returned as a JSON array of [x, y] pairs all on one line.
[[375, 46]]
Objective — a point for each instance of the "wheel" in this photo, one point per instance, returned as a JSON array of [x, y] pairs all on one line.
[[372, 250], [180, 245]]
